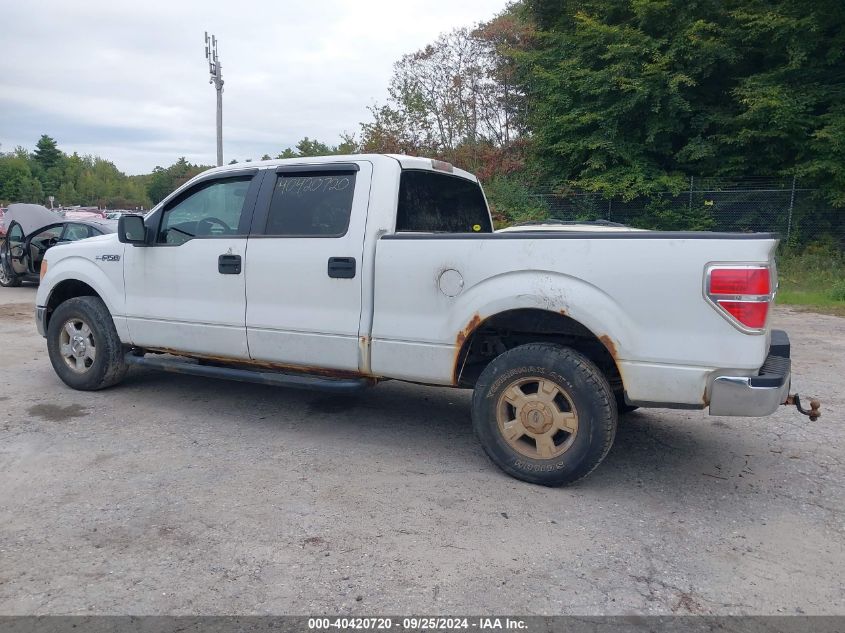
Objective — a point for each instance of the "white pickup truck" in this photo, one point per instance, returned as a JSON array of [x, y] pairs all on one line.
[[339, 272]]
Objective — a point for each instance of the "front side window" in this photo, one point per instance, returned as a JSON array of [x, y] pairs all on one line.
[[439, 203], [14, 241], [212, 209], [39, 243], [47, 238], [15, 237], [316, 204]]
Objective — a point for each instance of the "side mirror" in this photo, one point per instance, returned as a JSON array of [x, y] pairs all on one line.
[[131, 229]]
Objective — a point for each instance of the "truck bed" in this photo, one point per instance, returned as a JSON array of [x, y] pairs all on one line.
[[640, 293]]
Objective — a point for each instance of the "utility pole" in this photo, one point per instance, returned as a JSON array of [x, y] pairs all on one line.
[[215, 69]]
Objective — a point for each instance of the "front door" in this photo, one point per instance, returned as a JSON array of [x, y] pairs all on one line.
[[16, 249], [303, 274], [185, 289]]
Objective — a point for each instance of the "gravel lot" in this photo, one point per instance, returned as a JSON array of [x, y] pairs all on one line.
[[182, 495]]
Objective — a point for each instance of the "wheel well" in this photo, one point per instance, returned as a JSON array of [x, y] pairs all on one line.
[[482, 341], [67, 289]]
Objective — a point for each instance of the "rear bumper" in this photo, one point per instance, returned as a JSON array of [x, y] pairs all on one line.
[[760, 395], [41, 320]]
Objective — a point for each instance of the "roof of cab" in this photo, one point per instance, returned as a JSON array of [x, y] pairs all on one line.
[[406, 162]]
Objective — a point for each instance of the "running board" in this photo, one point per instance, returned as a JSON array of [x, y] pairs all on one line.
[[277, 379]]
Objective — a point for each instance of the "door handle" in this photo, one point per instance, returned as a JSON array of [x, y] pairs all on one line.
[[342, 267], [229, 264]]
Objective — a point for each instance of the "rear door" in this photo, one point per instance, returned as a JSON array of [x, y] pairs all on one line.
[[185, 291], [303, 273]]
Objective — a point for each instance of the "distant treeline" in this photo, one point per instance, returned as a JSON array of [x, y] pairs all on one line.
[[71, 179]]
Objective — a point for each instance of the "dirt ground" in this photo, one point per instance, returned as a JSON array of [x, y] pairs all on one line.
[[181, 495]]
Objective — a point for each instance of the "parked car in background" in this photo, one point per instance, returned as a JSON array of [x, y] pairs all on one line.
[[31, 230], [84, 215], [2, 222]]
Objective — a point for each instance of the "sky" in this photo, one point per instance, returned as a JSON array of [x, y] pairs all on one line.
[[128, 81]]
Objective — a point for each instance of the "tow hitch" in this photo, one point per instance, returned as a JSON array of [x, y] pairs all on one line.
[[814, 413]]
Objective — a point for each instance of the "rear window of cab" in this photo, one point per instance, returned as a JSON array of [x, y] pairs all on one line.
[[431, 202]]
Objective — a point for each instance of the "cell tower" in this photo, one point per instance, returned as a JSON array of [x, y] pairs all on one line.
[[215, 70]]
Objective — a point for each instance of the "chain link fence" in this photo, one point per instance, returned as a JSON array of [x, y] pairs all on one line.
[[797, 214]]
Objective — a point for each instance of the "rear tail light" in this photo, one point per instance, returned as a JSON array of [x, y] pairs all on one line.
[[740, 281], [741, 293]]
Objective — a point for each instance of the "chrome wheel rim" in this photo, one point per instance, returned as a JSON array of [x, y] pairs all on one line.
[[537, 418], [76, 345]]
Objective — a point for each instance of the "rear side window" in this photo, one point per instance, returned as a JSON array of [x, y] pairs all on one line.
[[314, 204], [432, 202]]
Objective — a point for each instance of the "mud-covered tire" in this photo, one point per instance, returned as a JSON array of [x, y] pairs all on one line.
[[582, 412], [92, 324]]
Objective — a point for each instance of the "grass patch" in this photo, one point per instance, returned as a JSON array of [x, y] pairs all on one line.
[[813, 278]]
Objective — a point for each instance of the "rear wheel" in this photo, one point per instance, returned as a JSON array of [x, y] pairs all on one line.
[[83, 345], [544, 414]]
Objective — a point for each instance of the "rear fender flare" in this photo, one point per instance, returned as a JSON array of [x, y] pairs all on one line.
[[544, 290]]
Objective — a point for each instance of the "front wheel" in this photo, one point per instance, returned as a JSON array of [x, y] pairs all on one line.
[[544, 414], [83, 345]]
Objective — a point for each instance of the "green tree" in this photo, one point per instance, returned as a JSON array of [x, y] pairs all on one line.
[[165, 180], [448, 94], [160, 184], [628, 96], [312, 147], [30, 191], [348, 144], [14, 174], [47, 153], [308, 147], [67, 195]]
